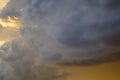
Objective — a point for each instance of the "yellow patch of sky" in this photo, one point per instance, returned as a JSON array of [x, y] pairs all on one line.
[[9, 26], [2, 43], [3, 3], [10, 22], [106, 71]]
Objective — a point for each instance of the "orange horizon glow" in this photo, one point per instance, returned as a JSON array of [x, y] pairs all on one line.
[[106, 71]]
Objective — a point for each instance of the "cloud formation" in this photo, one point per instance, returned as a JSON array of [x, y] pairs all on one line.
[[20, 62], [82, 26], [66, 31]]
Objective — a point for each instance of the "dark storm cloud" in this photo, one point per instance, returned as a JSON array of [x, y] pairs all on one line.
[[63, 31], [79, 25], [93, 60]]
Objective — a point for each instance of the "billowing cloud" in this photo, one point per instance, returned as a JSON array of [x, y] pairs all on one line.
[[65, 27], [73, 32], [20, 62]]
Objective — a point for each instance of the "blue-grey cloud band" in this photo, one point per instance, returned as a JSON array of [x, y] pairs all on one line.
[[75, 32], [66, 27]]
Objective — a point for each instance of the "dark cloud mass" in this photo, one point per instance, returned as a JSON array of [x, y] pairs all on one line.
[[81, 32]]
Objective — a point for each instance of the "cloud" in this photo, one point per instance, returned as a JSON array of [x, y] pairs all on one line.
[[66, 26], [14, 8], [22, 63], [64, 32]]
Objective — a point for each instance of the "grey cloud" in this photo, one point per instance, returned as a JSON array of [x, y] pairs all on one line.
[[65, 31], [113, 40], [20, 56], [6, 71], [14, 8], [69, 24], [66, 26], [92, 61], [51, 56], [22, 62]]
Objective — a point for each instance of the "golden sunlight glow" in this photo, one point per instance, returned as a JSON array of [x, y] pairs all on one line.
[[2, 43], [9, 26], [3, 3], [106, 71], [10, 22]]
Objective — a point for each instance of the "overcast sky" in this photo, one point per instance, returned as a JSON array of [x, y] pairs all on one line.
[[38, 34]]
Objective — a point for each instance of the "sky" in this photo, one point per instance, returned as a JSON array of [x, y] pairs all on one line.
[[59, 40], [3, 3]]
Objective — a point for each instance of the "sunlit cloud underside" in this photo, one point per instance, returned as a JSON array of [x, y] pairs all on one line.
[[10, 22], [8, 26]]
